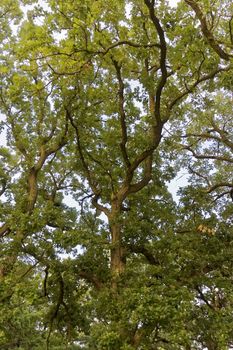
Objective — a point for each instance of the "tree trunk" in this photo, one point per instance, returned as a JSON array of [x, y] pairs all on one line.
[[211, 345], [117, 251]]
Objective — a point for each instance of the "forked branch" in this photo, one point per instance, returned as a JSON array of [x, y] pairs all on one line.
[[206, 32]]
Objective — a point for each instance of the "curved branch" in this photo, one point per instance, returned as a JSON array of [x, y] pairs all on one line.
[[208, 156], [218, 185], [140, 249], [163, 55], [124, 136], [129, 43], [88, 173], [222, 134], [34, 171], [205, 30], [197, 82]]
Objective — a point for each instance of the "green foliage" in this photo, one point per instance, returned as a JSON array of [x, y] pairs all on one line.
[[103, 104]]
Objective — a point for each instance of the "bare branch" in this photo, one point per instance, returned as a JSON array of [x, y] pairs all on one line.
[[88, 173], [34, 171]]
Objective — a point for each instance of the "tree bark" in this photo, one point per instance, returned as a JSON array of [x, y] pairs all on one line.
[[117, 251]]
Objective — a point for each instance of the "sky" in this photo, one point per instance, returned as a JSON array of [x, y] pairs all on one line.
[[173, 2]]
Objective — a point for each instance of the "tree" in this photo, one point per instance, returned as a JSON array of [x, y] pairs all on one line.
[[94, 94]]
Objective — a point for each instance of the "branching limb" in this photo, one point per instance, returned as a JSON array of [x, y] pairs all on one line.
[[99, 206], [56, 309], [222, 134], [90, 176], [124, 136], [163, 54], [208, 156], [136, 187], [129, 43], [203, 297], [206, 32], [34, 171], [191, 88], [90, 278], [199, 175], [219, 185]]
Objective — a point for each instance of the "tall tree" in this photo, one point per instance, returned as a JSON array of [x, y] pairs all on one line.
[[97, 98]]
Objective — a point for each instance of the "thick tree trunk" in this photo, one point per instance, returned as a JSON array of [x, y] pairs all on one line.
[[117, 251], [33, 190]]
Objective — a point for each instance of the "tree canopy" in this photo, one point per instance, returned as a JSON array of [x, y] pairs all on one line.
[[103, 104]]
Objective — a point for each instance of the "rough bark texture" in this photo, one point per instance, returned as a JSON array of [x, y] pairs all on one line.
[[117, 251]]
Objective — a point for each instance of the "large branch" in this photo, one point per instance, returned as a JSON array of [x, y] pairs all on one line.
[[219, 185], [90, 176], [124, 136], [34, 171], [163, 54], [141, 249], [136, 187], [205, 30], [203, 297], [157, 134], [146, 158]]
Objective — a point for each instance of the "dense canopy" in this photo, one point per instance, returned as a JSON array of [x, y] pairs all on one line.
[[104, 105]]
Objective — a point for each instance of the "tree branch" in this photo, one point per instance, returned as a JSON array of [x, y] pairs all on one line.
[[205, 30], [207, 156], [190, 89], [163, 54], [4, 229], [124, 136], [89, 175]]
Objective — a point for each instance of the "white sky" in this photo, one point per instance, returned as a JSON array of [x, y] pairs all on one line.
[[173, 2]]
